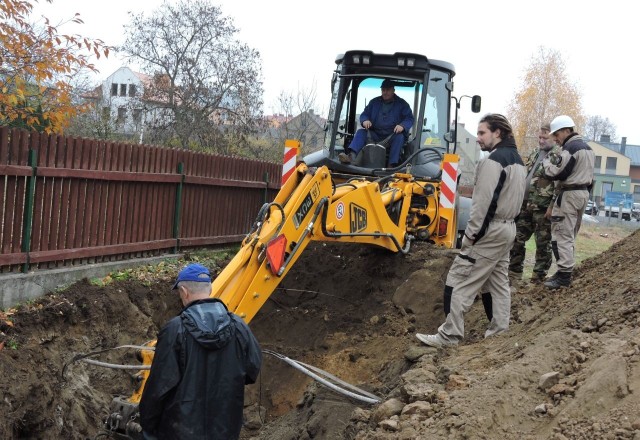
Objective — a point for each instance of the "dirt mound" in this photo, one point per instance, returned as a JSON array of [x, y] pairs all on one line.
[[353, 312]]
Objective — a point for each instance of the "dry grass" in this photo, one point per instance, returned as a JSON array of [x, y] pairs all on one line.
[[593, 239]]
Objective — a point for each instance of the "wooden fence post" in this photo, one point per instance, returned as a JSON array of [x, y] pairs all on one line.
[[265, 177], [178, 208], [28, 208]]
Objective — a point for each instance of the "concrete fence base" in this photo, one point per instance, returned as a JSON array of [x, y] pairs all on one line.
[[19, 288]]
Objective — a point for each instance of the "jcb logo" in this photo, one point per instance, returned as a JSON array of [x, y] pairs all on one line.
[[358, 218]]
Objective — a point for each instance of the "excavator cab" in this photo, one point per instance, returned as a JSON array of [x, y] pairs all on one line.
[[423, 83], [427, 86]]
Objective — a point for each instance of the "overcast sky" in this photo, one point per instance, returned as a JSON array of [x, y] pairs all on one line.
[[489, 42]]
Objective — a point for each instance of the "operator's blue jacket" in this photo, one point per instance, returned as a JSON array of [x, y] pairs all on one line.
[[195, 390], [383, 126]]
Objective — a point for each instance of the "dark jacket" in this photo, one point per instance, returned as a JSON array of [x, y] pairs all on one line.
[[203, 359], [399, 114]]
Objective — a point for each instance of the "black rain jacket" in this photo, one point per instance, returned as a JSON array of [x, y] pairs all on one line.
[[195, 390]]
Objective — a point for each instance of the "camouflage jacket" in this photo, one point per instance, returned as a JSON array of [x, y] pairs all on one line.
[[541, 189]]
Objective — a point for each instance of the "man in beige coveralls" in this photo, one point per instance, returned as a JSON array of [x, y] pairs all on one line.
[[573, 173], [484, 257]]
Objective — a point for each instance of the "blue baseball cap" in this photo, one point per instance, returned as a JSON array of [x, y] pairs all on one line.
[[193, 272]]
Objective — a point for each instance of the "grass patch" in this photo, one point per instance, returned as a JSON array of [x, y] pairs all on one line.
[[593, 239]]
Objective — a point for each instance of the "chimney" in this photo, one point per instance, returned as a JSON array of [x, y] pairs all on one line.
[[605, 138], [623, 146]]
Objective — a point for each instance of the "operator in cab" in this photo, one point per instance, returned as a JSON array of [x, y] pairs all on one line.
[[386, 120], [203, 359]]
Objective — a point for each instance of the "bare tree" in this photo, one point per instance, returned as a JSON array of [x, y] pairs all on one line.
[[545, 93], [206, 86], [295, 118], [301, 121], [597, 126]]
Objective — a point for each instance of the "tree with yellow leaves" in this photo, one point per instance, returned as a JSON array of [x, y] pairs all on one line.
[[545, 93], [36, 63]]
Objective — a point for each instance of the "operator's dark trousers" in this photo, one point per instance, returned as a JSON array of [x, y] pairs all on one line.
[[482, 265], [396, 143]]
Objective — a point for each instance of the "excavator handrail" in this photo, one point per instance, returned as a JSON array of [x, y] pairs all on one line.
[[407, 160]]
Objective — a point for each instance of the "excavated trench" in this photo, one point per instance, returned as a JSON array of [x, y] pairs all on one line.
[[347, 309], [353, 311]]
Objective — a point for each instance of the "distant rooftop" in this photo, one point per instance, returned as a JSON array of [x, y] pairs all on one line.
[[631, 151]]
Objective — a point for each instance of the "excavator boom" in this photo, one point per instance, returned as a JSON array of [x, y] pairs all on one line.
[[389, 212]]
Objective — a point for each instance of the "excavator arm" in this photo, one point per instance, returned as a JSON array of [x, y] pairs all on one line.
[[389, 212]]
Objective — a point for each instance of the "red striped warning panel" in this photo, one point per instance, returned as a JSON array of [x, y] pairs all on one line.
[[290, 156], [449, 181]]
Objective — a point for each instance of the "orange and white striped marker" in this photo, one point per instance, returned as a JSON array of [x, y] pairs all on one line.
[[291, 149], [449, 183]]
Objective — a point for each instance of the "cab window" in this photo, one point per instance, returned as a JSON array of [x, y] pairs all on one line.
[[434, 123]]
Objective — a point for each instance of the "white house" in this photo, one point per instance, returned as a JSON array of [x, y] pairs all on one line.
[[125, 101]]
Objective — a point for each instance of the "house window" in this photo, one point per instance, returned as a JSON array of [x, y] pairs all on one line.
[[132, 90], [597, 164], [611, 165], [123, 90], [114, 89], [122, 114], [137, 115]]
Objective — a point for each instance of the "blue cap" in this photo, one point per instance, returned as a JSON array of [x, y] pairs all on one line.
[[193, 272]]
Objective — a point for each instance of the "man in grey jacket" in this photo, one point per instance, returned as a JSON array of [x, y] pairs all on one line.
[[484, 257], [573, 173]]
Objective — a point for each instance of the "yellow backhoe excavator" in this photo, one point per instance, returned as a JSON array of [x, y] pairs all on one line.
[[329, 201]]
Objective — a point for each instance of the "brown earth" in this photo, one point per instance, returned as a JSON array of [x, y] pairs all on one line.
[[353, 312]]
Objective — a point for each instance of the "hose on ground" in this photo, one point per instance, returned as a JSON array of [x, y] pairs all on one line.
[[84, 358], [328, 379]]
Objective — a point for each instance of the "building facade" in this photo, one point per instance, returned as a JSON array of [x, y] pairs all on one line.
[[616, 168]]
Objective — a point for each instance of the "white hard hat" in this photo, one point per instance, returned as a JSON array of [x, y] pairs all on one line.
[[562, 121]]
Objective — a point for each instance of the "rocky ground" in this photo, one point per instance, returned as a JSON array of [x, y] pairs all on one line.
[[567, 369]]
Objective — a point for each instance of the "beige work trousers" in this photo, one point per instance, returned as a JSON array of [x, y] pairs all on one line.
[[565, 224], [485, 265]]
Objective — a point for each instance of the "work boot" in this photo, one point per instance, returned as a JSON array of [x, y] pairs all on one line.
[[558, 280], [434, 340], [515, 279], [537, 278], [347, 158]]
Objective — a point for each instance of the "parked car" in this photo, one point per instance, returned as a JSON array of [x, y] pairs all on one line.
[[592, 208], [635, 211]]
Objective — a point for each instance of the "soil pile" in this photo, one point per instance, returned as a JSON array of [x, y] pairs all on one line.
[[568, 367]]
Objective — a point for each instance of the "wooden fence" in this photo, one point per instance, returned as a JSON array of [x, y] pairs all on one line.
[[67, 201]]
